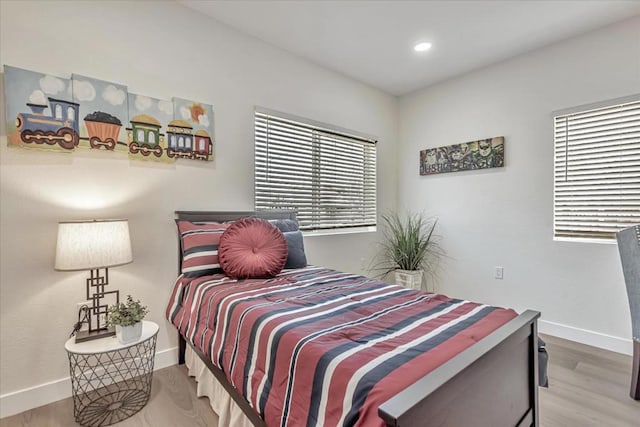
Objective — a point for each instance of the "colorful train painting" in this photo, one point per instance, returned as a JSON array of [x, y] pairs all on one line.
[[85, 113], [103, 130], [184, 143], [145, 138], [144, 135], [60, 127]]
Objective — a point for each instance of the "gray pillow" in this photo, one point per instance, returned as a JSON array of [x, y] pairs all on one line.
[[285, 225], [295, 244]]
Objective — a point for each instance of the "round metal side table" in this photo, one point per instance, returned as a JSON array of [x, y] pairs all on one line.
[[111, 381]]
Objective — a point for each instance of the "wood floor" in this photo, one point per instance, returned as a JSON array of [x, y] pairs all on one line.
[[173, 403], [588, 387]]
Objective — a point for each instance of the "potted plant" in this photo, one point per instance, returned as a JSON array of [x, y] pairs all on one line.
[[127, 318], [410, 249]]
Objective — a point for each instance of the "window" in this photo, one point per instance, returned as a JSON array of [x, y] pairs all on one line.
[[140, 135], [327, 175], [181, 142], [597, 169], [152, 137], [58, 109], [71, 113], [172, 141]]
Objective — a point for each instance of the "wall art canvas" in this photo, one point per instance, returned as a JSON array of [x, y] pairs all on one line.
[[40, 111], [148, 122], [190, 134], [103, 113], [63, 114], [481, 154]]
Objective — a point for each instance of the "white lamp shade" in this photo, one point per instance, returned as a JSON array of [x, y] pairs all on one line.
[[85, 245]]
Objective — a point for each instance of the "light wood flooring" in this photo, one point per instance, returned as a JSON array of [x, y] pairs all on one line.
[[173, 403], [588, 387]]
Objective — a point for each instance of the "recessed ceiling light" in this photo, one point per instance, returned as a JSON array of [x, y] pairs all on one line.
[[422, 46]]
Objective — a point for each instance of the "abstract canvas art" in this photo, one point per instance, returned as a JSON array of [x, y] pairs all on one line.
[[54, 113], [481, 154]]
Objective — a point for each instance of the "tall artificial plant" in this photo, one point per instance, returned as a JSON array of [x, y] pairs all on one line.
[[410, 243]]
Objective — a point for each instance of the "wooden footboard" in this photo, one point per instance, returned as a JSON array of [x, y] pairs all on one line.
[[492, 383]]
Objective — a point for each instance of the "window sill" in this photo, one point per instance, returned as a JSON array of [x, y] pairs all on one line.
[[585, 240], [356, 230]]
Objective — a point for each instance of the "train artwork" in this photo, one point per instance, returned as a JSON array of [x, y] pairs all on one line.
[[60, 127], [82, 113], [103, 130], [184, 143], [145, 138], [144, 135]]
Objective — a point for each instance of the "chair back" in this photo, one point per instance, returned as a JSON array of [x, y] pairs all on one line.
[[629, 247]]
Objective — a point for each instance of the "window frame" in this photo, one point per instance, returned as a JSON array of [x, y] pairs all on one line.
[[581, 110], [327, 131]]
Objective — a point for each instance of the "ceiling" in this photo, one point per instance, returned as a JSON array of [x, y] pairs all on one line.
[[372, 41]]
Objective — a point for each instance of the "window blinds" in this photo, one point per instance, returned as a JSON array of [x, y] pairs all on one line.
[[328, 177], [597, 171]]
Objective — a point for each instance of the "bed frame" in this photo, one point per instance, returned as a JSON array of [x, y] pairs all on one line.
[[492, 383]]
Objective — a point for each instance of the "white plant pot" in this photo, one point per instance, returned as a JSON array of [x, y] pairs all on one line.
[[411, 279], [128, 334]]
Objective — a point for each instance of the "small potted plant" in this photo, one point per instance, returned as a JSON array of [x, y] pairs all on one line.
[[127, 318], [410, 249]]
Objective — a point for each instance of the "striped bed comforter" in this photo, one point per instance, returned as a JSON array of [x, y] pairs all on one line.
[[317, 347]]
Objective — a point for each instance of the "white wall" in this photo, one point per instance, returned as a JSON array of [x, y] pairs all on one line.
[[503, 217], [138, 44]]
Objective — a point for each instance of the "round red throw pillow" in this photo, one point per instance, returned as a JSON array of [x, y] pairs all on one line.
[[252, 248]]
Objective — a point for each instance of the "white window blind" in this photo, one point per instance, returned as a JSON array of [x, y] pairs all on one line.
[[597, 170], [328, 176]]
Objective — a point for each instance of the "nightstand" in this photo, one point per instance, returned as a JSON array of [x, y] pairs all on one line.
[[111, 381]]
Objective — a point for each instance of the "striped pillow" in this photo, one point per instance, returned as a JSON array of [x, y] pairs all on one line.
[[200, 247]]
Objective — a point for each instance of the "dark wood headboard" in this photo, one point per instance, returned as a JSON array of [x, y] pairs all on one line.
[[222, 216]]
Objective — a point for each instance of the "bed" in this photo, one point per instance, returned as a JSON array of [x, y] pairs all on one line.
[[471, 364]]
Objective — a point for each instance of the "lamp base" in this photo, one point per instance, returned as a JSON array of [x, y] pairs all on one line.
[[82, 336]]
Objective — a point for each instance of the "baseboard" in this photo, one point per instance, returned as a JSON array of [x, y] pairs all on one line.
[[584, 336], [43, 394]]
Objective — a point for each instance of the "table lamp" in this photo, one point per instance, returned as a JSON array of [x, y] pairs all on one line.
[[94, 245]]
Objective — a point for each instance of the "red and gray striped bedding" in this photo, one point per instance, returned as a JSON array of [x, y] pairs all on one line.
[[316, 347]]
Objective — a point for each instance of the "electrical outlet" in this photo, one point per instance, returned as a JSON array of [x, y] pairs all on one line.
[[499, 273], [85, 326]]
